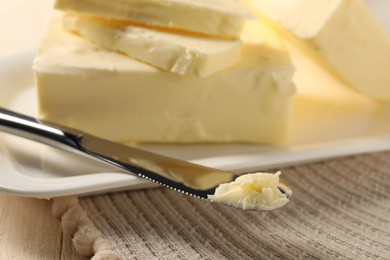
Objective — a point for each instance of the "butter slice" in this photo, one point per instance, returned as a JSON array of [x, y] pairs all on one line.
[[214, 17], [121, 99], [344, 33], [254, 191], [172, 51]]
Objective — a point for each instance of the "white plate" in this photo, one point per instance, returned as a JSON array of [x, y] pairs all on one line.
[[34, 170]]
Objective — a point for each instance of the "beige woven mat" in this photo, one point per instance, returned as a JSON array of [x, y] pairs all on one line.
[[340, 209]]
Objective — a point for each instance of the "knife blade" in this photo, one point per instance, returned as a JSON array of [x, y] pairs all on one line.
[[182, 176]]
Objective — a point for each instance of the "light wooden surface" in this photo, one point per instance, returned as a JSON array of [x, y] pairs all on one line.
[[29, 231], [27, 228]]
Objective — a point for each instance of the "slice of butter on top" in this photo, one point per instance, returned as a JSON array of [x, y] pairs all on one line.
[[213, 17], [344, 34], [179, 53]]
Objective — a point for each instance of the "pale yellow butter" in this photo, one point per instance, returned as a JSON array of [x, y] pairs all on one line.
[[344, 112], [113, 96], [255, 191], [172, 51], [344, 33], [214, 17]]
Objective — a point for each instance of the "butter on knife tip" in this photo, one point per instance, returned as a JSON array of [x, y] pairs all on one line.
[[253, 191]]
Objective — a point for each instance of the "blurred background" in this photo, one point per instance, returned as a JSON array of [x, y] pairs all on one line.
[[22, 24], [381, 9]]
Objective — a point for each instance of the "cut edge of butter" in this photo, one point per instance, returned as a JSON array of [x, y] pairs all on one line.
[[253, 191], [179, 53]]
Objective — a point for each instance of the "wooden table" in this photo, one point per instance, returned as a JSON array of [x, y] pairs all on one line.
[[28, 230]]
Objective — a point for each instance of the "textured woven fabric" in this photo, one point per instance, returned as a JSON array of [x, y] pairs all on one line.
[[340, 209]]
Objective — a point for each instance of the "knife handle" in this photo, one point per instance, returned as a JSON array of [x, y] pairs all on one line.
[[31, 128]]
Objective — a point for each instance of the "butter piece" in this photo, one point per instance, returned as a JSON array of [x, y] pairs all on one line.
[[255, 191], [344, 33], [214, 17], [121, 99], [344, 112], [175, 52]]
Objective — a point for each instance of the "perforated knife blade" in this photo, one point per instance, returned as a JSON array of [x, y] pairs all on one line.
[[182, 176]]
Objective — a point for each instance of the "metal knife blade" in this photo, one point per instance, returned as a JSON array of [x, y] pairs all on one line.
[[186, 177]]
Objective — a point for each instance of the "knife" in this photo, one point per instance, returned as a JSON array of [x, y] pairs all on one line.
[[182, 176]]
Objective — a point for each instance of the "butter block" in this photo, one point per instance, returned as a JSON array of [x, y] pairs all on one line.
[[171, 51], [214, 17], [344, 113], [121, 99], [344, 34]]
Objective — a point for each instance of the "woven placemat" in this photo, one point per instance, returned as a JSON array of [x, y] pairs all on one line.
[[340, 209]]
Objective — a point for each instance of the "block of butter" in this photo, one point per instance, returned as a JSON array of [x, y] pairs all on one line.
[[118, 98], [214, 17], [344, 112], [345, 34], [172, 51]]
